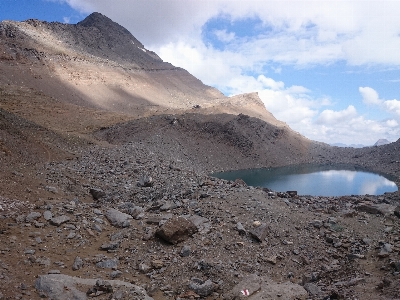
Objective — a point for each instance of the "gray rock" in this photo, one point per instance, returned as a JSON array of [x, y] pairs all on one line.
[[251, 283], [64, 287], [201, 288], [32, 216], [115, 274], [203, 224], [110, 246], [176, 229], [239, 227], [107, 264], [57, 221], [385, 250], [260, 232], [97, 193], [97, 227], [145, 181], [286, 290], [376, 209], [117, 218], [78, 263], [312, 289], [185, 251], [51, 189], [316, 223], [47, 215], [397, 211], [71, 235]]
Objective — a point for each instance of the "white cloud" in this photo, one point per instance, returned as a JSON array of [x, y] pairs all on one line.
[[334, 117], [392, 123], [370, 96], [224, 36]]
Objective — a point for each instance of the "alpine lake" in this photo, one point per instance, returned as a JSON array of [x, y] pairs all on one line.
[[315, 180]]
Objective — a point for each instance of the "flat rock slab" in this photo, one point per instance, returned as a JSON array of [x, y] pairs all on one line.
[[57, 221], [117, 218], [256, 288], [176, 229], [376, 209], [247, 287], [64, 287]]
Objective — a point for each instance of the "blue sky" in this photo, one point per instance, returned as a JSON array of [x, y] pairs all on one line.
[[328, 68]]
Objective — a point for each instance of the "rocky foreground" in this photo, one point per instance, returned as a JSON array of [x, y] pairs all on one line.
[[126, 223]]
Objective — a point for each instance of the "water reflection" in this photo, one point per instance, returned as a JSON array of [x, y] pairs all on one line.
[[315, 180]]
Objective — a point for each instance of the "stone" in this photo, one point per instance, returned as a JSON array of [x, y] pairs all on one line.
[[145, 181], [136, 212], [239, 227], [385, 250], [57, 221], [78, 263], [71, 235], [32, 216], [47, 215], [107, 264], [97, 193], [144, 268], [286, 290], [117, 218], [312, 289], [64, 287], [251, 284], [185, 251], [202, 288], [397, 211], [110, 246], [176, 229], [116, 274], [376, 209], [260, 233], [316, 223], [157, 264], [203, 224]]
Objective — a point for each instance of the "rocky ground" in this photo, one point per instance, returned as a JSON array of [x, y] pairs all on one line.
[[166, 230]]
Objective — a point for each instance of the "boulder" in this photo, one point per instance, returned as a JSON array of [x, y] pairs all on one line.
[[176, 229], [97, 194], [64, 287], [117, 218], [247, 287], [57, 221], [260, 232], [201, 288]]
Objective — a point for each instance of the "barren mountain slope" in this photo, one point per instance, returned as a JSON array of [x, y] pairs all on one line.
[[98, 63]]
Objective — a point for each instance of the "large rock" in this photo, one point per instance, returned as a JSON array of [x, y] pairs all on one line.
[[256, 288], [57, 221], [97, 193], [64, 287], [117, 218], [376, 209], [176, 229], [247, 287], [260, 232], [287, 290], [201, 288]]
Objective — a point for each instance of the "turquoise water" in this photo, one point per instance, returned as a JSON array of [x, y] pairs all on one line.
[[314, 180]]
